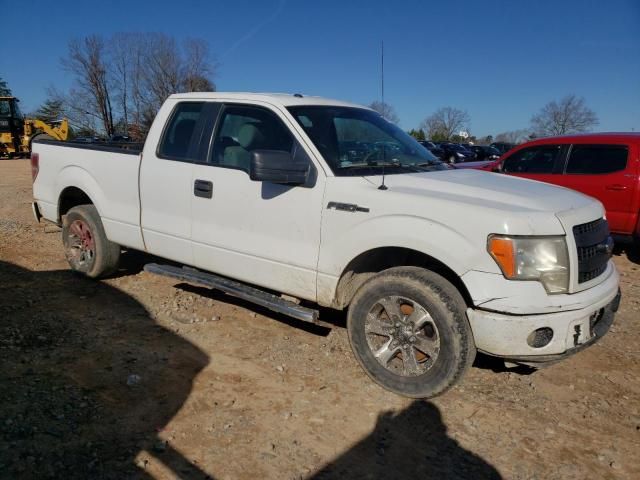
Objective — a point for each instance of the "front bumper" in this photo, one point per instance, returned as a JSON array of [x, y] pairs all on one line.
[[506, 336]]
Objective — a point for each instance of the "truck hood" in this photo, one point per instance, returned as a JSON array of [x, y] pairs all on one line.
[[449, 214], [491, 190]]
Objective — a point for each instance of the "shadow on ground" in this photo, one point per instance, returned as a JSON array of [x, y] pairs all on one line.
[[88, 379], [412, 443], [630, 249]]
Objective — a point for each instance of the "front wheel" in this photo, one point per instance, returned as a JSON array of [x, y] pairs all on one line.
[[409, 331], [86, 246]]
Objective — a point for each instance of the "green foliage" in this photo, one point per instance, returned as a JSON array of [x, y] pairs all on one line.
[[50, 111], [439, 136], [5, 91], [417, 134]]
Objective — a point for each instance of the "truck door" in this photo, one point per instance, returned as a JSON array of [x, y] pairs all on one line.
[[606, 173], [257, 232], [166, 178]]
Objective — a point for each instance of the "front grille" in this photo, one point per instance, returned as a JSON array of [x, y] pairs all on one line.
[[586, 276], [594, 249], [589, 227]]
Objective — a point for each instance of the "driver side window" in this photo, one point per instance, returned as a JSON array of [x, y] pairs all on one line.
[[540, 159], [244, 129]]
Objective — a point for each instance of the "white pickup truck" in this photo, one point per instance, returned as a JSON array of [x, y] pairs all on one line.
[[263, 195]]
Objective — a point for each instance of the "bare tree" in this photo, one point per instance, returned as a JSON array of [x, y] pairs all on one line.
[[91, 93], [386, 110], [161, 68], [197, 67], [445, 122], [121, 61], [569, 115], [138, 95], [513, 136], [123, 82]]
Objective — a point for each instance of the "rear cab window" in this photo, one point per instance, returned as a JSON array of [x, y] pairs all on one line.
[[596, 159], [185, 137]]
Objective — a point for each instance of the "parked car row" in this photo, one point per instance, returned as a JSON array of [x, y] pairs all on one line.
[[97, 139], [460, 152]]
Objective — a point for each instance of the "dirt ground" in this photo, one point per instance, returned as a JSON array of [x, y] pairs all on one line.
[[140, 376]]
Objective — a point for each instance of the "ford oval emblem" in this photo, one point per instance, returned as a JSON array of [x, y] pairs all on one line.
[[606, 246]]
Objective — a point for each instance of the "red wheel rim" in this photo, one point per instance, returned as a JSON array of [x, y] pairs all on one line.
[[81, 243]]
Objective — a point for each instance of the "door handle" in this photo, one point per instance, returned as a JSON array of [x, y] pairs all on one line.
[[203, 189], [616, 186]]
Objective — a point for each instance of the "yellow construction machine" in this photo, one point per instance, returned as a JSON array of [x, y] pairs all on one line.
[[17, 132]]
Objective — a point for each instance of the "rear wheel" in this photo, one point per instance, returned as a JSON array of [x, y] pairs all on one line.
[[86, 246], [409, 331]]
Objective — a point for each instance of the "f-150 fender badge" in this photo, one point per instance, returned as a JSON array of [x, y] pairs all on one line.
[[346, 207]]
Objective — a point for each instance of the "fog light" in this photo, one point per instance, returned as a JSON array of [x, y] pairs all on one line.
[[540, 337]]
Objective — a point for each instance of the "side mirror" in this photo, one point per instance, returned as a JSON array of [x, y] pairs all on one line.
[[277, 166]]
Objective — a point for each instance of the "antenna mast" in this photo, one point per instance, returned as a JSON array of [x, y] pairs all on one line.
[[382, 71], [382, 186]]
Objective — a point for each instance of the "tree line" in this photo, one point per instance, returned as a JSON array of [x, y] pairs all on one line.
[[120, 82], [559, 117]]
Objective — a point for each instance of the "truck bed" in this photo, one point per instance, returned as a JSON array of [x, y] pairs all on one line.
[[110, 171]]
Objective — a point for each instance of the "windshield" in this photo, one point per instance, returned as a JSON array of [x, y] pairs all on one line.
[[492, 151], [5, 108], [356, 141]]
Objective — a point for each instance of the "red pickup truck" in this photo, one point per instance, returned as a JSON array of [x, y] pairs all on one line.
[[603, 165]]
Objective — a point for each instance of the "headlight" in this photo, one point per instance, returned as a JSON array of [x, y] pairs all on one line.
[[459, 154], [544, 259]]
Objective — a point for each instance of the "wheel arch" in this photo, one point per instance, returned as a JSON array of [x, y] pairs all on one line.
[[368, 263], [77, 186], [70, 197]]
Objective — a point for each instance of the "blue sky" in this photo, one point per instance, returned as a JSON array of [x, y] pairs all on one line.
[[499, 60]]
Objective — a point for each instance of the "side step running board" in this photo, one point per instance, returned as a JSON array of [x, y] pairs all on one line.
[[236, 289]]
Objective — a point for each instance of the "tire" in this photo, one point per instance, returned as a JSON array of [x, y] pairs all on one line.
[[86, 246], [446, 332]]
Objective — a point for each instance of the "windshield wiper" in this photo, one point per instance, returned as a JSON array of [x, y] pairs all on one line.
[[375, 164]]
